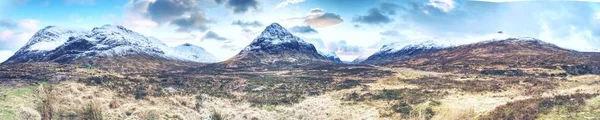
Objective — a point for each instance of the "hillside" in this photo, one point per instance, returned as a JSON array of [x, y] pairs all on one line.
[[528, 55]]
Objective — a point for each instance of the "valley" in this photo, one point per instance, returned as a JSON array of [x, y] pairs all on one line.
[[115, 73]]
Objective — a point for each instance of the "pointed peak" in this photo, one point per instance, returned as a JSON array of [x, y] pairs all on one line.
[[275, 30], [274, 25]]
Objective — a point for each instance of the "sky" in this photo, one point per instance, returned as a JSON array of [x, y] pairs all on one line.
[[348, 28]]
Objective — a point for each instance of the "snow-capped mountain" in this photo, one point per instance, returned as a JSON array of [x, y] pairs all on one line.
[[360, 58], [43, 41], [398, 51], [275, 38], [331, 56], [195, 53], [494, 54], [277, 45], [65, 45]]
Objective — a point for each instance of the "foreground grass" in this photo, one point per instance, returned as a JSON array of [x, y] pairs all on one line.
[[17, 101]]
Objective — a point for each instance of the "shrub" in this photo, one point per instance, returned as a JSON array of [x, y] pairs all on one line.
[[140, 93], [216, 115], [403, 108], [429, 113]]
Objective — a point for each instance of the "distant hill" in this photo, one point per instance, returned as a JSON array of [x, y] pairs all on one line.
[[522, 54], [331, 56]]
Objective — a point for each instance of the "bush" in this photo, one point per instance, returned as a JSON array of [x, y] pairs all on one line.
[[429, 113], [216, 115], [140, 93], [403, 108]]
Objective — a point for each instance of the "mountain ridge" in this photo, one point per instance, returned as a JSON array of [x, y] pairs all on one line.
[[56, 44], [501, 54]]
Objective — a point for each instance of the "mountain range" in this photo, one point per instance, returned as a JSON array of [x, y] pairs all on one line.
[[64, 45], [518, 53], [276, 47]]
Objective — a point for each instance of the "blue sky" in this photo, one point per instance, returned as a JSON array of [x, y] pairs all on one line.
[[347, 27]]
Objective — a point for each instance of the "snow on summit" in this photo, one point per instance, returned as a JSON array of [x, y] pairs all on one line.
[[65, 44], [195, 53], [273, 35], [51, 37]]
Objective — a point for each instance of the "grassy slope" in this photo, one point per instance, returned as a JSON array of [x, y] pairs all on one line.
[[14, 99]]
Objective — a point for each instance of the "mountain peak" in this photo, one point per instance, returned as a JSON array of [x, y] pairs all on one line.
[[276, 44], [187, 44], [275, 25], [51, 37], [275, 30], [275, 37]]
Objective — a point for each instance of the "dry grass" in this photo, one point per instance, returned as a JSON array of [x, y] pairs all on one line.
[[590, 111], [531, 108], [400, 101]]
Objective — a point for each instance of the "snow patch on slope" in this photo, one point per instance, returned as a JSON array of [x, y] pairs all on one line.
[[331, 56], [51, 37], [195, 53], [399, 46]]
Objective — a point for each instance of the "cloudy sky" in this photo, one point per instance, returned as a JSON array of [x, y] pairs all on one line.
[[347, 27]]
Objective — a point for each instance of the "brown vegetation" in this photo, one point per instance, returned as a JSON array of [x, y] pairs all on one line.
[[531, 108]]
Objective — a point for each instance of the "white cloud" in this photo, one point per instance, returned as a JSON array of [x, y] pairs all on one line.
[[444, 5], [319, 18], [12, 39], [5, 35], [134, 16], [288, 2], [5, 54], [29, 25], [577, 39]]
